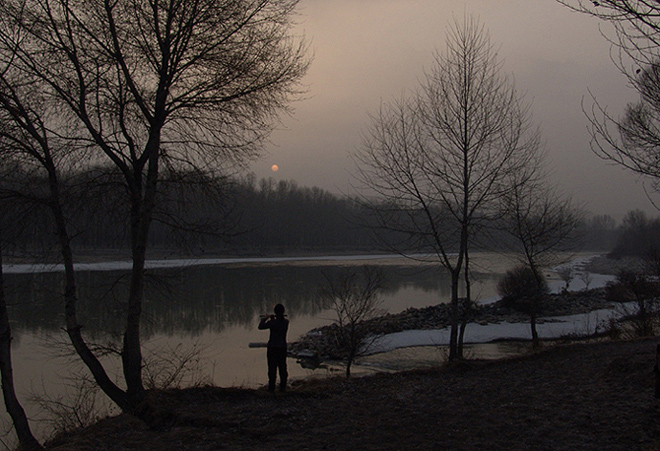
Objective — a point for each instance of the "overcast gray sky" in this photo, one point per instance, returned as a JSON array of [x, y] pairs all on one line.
[[369, 51]]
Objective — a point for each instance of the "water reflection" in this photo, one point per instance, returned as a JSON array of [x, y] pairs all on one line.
[[197, 299], [214, 308], [429, 356]]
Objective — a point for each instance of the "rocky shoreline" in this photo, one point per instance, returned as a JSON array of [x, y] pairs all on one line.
[[319, 343]]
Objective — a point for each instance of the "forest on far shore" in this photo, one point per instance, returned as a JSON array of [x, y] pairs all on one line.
[[198, 215]]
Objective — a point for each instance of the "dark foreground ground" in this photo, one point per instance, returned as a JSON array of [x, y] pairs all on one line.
[[572, 397]]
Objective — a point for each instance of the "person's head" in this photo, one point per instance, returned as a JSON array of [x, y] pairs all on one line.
[[279, 310]]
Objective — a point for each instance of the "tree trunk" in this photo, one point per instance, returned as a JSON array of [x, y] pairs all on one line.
[[142, 206], [466, 304], [349, 362], [73, 328], [537, 304], [656, 370], [131, 351], [454, 352], [461, 336], [535, 336], [468, 282], [27, 441]]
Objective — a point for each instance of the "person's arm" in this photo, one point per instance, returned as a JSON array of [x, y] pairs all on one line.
[[264, 323]]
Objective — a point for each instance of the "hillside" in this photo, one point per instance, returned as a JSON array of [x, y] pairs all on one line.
[[573, 397]]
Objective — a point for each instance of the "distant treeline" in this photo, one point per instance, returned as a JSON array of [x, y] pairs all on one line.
[[196, 214], [202, 214], [639, 236]]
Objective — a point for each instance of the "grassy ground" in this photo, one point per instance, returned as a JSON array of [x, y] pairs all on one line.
[[574, 397]]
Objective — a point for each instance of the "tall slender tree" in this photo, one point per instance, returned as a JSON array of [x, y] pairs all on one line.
[[439, 161], [545, 228]]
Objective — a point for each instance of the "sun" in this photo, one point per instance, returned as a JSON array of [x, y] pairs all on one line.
[[275, 168]]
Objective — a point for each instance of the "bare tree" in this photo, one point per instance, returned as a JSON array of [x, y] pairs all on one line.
[[544, 225], [141, 84], [633, 140], [437, 163], [354, 298], [586, 277], [28, 144], [566, 274]]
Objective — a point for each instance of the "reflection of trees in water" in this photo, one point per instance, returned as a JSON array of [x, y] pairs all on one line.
[[425, 278], [193, 299], [430, 279]]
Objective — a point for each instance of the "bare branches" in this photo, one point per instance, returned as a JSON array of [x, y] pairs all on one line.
[[544, 224], [636, 23], [212, 74], [355, 298], [455, 145], [141, 83], [440, 160], [633, 140]]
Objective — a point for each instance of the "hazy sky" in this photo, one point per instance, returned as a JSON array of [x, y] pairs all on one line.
[[369, 51]]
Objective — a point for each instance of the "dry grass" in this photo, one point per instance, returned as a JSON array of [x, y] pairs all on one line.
[[575, 397]]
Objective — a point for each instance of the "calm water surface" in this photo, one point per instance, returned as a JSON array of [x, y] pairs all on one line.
[[212, 310]]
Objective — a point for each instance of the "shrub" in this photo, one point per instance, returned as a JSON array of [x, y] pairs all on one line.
[[522, 290], [638, 289]]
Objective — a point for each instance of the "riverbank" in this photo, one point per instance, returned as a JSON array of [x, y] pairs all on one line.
[[429, 325], [572, 309], [587, 396], [577, 397]]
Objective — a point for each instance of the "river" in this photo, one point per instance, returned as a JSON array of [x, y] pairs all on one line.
[[204, 312]]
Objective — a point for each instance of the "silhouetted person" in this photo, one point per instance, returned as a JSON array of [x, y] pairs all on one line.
[[276, 352]]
